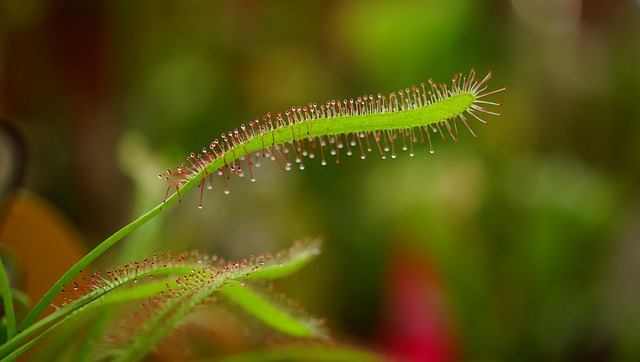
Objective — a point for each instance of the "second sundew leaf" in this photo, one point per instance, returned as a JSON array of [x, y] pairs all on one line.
[[384, 123], [184, 292], [146, 278], [151, 274], [160, 272]]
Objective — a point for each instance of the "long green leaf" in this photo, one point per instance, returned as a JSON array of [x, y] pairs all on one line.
[[270, 313]]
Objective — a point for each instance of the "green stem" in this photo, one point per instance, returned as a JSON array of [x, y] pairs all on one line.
[[95, 253]]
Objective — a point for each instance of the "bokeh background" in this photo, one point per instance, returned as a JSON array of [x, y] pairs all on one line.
[[522, 245]]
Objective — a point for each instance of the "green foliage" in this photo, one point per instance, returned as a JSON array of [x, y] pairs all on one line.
[[170, 287]]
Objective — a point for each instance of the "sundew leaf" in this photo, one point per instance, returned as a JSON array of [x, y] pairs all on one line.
[[164, 312], [384, 123], [99, 290], [187, 279]]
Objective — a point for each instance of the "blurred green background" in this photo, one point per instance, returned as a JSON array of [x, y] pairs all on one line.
[[523, 245]]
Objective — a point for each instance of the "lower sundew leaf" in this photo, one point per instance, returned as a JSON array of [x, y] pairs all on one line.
[[384, 123], [183, 292], [173, 286], [173, 275], [271, 313]]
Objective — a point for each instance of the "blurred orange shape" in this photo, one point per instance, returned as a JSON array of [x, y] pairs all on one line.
[[42, 239]]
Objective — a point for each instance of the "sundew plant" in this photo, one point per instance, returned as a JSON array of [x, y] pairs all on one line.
[[168, 288]]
